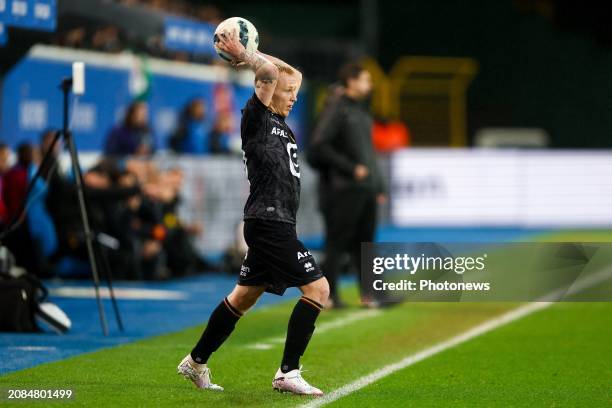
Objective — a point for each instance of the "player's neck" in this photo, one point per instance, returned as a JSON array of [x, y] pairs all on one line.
[[275, 111]]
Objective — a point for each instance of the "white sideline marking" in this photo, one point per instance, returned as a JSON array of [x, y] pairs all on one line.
[[476, 331], [120, 293], [32, 348], [267, 344]]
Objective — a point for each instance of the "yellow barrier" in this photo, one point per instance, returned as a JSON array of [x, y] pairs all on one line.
[[428, 82]]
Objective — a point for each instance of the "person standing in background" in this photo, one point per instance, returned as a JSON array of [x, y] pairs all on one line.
[[341, 149], [5, 164], [195, 135], [191, 134], [34, 240], [133, 136]]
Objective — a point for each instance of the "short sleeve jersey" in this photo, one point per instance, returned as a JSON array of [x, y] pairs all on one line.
[[271, 162]]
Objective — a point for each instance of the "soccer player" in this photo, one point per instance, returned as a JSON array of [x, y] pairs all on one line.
[[276, 259]]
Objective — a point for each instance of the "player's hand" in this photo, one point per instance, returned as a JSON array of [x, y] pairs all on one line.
[[228, 42], [381, 199], [360, 172]]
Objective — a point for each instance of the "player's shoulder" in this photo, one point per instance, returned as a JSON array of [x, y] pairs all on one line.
[[254, 104]]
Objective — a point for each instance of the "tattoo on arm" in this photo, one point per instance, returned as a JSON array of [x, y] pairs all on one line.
[[264, 80], [252, 59], [266, 77]]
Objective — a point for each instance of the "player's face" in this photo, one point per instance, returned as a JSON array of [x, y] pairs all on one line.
[[285, 94]]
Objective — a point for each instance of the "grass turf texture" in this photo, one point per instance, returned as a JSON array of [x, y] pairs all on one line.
[[556, 357], [143, 373]]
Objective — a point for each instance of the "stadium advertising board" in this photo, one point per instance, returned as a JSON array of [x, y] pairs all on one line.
[[501, 187]]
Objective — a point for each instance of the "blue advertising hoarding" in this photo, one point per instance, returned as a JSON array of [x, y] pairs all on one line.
[[31, 101], [29, 14], [181, 34]]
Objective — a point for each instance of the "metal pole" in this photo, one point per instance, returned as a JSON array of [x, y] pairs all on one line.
[[109, 281], [78, 176]]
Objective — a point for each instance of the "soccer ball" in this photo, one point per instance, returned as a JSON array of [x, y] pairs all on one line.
[[247, 34]]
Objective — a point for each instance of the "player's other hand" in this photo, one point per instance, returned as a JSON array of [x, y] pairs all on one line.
[[228, 42], [360, 172], [381, 199]]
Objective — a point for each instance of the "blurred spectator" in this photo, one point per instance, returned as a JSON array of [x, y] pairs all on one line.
[[220, 134], [133, 136], [107, 39], [15, 180], [235, 253], [207, 12], [110, 38], [191, 135], [5, 155], [35, 238], [131, 201], [50, 171], [75, 38], [182, 257]]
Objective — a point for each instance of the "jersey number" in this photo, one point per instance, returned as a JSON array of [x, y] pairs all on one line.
[[293, 159]]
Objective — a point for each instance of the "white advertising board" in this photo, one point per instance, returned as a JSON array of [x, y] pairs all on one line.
[[464, 187]]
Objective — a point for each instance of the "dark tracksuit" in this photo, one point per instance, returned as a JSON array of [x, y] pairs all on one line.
[[341, 140]]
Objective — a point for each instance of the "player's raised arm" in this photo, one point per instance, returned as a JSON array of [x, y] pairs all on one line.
[[280, 63], [266, 73]]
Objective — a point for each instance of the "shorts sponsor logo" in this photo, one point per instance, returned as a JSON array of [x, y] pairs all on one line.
[[309, 267], [244, 270], [302, 255]]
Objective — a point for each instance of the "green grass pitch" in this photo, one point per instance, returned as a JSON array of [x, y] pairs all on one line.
[[559, 356]]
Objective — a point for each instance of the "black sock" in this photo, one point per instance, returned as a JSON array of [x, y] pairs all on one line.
[[299, 332], [220, 325]]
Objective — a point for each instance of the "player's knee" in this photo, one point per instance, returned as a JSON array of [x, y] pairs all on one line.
[[318, 290], [242, 300], [324, 292]]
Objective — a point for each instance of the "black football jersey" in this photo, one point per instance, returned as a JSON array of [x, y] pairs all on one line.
[[271, 162]]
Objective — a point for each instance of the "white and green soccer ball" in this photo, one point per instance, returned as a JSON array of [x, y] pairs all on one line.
[[246, 31]]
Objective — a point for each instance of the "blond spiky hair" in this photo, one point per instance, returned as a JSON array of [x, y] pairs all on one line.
[[284, 69]]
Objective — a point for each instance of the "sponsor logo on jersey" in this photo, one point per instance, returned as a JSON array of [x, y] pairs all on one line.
[[279, 132]]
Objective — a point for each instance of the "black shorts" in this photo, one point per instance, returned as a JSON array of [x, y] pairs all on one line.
[[276, 258]]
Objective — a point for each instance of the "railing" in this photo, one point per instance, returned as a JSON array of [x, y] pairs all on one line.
[[428, 94]]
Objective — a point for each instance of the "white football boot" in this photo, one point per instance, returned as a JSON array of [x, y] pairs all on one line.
[[199, 374], [294, 383]]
